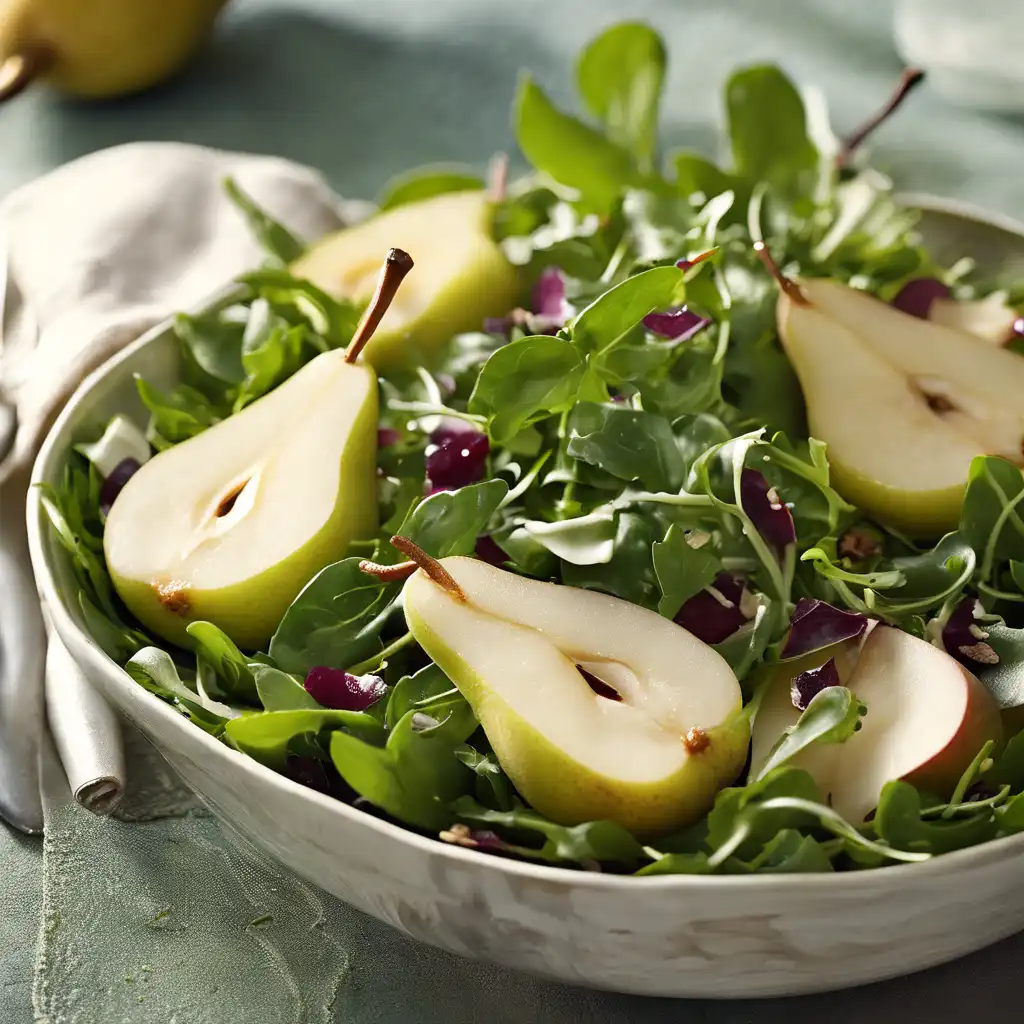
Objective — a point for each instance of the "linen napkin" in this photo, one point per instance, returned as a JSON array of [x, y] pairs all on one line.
[[94, 254]]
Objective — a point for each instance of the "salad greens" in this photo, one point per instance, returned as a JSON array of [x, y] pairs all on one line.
[[653, 452]]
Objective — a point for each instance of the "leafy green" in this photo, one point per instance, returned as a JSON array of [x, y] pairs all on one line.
[[425, 183], [449, 522], [229, 665], [274, 237], [155, 670], [281, 691], [832, 716], [682, 570], [266, 737]]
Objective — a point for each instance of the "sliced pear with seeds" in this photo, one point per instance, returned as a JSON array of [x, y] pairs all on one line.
[[229, 525], [651, 761]]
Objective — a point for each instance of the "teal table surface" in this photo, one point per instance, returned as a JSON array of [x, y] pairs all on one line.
[[363, 90]]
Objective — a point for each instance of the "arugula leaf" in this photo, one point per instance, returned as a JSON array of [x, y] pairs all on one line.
[[334, 621], [416, 775], [493, 788], [899, 822], [584, 540], [1005, 679], [628, 443], [619, 76], [268, 735], [612, 315], [155, 671], [629, 572], [175, 416], [449, 522], [682, 570], [281, 691], [425, 183], [832, 716], [274, 237], [568, 150], [417, 693], [992, 520], [593, 842], [302, 304], [230, 667], [526, 381], [211, 347], [768, 131]]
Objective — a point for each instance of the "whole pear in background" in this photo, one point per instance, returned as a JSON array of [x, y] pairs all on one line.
[[97, 49]]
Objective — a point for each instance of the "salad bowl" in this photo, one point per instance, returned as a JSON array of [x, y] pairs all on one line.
[[709, 936]]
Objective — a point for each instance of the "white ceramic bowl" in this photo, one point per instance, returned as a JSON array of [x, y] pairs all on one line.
[[672, 936]]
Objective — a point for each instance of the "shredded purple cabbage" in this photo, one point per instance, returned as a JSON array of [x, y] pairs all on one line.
[[340, 690], [388, 436], [916, 297], [710, 619], [676, 324], [816, 624], [308, 771], [807, 685], [762, 503], [115, 481], [487, 550], [456, 457], [965, 639], [548, 297]]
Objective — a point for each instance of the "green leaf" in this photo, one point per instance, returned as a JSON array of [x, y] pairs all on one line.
[[682, 570], [525, 381], [629, 573], [1008, 766], [230, 666], [213, 346], [678, 864], [335, 620], [416, 775], [281, 691], [175, 416], [1004, 680], [991, 520], [271, 352], [697, 174], [417, 693], [117, 640], [628, 443], [832, 716], [768, 131], [449, 522], [267, 736], [747, 645], [584, 540], [569, 151], [155, 671], [302, 304], [617, 311], [493, 788], [619, 76], [425, 183], [898, 821], [274, 237], [603, 842]]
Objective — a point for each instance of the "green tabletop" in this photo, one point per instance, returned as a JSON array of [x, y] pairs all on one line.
[[363, 90]]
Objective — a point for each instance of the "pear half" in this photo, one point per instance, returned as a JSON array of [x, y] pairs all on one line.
[[927, 719], [651, 761], [903, 404], [229, 525], [461, 277]]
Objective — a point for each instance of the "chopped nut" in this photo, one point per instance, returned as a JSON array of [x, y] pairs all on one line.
[[697, 538], [696, 741], [720, 597], [981, 653], [977, 632], [458, 835], [858, 544]]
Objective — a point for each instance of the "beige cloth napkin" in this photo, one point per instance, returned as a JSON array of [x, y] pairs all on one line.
[[93, 255]]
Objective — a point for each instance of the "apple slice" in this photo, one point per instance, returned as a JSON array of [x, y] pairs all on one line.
[[927, 719], [461, 278], [652, 760]]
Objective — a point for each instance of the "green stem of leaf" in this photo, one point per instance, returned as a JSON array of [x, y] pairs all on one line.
[[381, 656]]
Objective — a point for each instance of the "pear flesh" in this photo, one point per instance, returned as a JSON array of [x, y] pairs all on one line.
[[903, 404], [461, 277], [229, 525], [652, 761], [927, 718]]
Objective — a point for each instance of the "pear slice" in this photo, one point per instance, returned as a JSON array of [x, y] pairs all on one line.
[[651, 761], [229, 525], [462, 277], [989, 318], [902, 403], [927, 719]]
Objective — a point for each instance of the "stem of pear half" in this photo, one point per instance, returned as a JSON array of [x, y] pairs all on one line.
[[431, 566], [397, 264], [792, 290], [497, 177], [21, 69], [388, 573], [909, 79]]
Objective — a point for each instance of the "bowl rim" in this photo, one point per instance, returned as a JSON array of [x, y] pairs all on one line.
[[53, 450]]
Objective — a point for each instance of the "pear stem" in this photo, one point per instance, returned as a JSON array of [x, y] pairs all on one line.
[[909, 79], [497, 177], [791, 289], [431, 566], [21, 69], [388, 573], [397, 264]]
